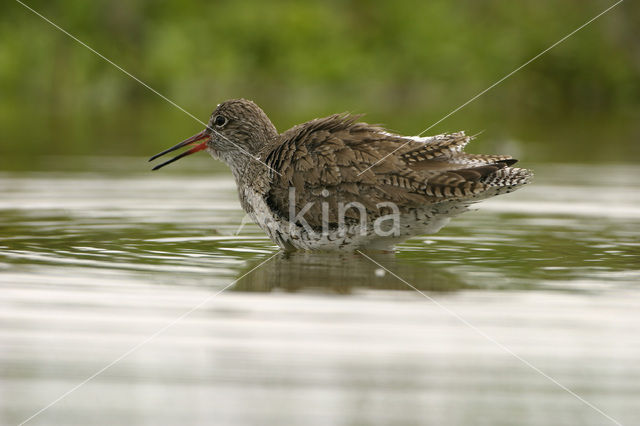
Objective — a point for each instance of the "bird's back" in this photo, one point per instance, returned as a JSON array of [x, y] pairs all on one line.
[[340, 160]]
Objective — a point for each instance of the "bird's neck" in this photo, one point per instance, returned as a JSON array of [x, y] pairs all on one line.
[[246, 170]]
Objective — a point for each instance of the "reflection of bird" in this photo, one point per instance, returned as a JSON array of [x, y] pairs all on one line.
[[326, 273], [336, 183]]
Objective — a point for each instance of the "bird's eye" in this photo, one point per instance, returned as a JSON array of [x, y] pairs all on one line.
[[220, 120]]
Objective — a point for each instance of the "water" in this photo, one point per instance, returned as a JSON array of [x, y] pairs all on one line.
[[95, 264]]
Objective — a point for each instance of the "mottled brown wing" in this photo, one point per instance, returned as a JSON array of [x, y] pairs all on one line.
[[336, 160], [321, 162]]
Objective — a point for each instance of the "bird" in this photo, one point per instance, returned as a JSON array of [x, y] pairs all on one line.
[[338, 183]]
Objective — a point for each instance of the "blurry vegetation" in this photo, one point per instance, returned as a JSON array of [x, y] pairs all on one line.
[[404, 63]]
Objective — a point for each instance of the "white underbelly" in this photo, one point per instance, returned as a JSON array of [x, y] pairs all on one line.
[[295, 236]]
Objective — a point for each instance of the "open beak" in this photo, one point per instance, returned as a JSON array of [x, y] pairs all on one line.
[[192, 140]]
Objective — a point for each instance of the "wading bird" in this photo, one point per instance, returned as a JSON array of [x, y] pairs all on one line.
[[336, 183]]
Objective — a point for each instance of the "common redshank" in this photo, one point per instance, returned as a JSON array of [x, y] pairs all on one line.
[[336, 183]]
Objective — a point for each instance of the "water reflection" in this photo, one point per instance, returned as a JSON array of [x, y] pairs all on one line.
[[344, 273]]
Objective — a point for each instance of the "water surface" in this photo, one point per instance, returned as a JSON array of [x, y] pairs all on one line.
[[93, 264]]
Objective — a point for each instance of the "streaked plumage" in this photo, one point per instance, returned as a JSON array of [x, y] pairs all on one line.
[[338, 159]]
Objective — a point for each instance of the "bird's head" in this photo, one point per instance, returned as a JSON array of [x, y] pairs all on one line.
[[236, 132]]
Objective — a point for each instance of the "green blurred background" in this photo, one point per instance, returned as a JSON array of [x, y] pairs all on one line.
[[403, 63]]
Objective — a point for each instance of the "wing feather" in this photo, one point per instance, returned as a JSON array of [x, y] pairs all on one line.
[[337, 159]]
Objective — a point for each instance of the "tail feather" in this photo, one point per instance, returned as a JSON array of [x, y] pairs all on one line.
[[439, 146], [437, 168], [476, 183], [509, 176], [471, 160]]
